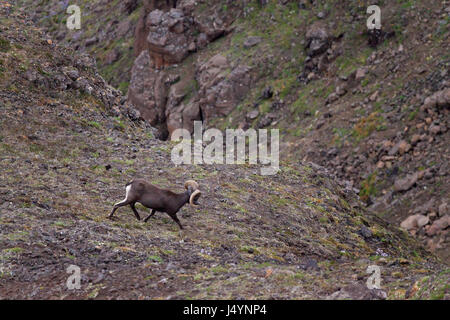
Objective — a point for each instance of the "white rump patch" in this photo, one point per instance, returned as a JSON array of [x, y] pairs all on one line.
[[127, 191]]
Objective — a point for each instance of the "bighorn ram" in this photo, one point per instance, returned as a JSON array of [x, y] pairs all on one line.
[[157, 199]]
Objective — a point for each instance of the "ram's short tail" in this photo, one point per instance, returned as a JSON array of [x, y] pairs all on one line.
[[129, 183]]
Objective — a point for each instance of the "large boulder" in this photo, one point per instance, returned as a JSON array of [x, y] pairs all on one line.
[[317, 39], [142, 29], [168, 39], [416, 221], [172, 29], [439, 225], [211, 26], [406, 183], [357, 291]]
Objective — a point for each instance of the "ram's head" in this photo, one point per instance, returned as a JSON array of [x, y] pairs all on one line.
[[192, 187]]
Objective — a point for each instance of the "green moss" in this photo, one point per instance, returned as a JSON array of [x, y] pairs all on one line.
[[123, 87], [155, 258], [119, 123]]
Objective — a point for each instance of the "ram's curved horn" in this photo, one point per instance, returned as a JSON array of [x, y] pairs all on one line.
[[194, 195], [192, 184]]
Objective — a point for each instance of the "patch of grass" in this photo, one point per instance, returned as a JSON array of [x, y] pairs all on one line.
[[2, 69], [368, 187], [94, 293], [348, 62], [285, 85], [440, 293], [265, 107], [42, 71], [13, 250], [5, 45], [248, 249], [406, 4], [340, 135], [413, 114], [155, 258], [364, 82], [123, 87], [219, 269], [119, 123], [20, 235], [302, 104], [95, 124], [61, 224], [191, 89], [367, 125], [323, 219]]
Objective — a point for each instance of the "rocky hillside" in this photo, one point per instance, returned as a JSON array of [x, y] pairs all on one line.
[[107, 32], [373, 108], [68, 146]]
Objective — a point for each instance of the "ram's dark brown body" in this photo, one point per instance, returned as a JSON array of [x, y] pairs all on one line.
[[157, 199]]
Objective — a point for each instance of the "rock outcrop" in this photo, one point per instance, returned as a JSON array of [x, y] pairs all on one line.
[[220, 89], [148, 92], [318, 39], [167, 98], [142, 28], [168, 41]]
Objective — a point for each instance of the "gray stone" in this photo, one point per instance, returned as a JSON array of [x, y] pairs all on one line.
[[251, 42], [443, 209], [406, 183]]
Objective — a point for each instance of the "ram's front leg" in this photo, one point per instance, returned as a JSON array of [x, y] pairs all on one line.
[[175, 218], [136, 213], [150, 215]]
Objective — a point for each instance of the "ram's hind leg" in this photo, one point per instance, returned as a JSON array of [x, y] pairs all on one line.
[[122, 203], [117, 206], [136, 213]]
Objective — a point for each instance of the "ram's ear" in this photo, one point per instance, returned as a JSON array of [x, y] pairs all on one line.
[[192, 184]]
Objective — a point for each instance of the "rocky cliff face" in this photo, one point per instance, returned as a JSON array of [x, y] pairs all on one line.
[[167, 34]]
